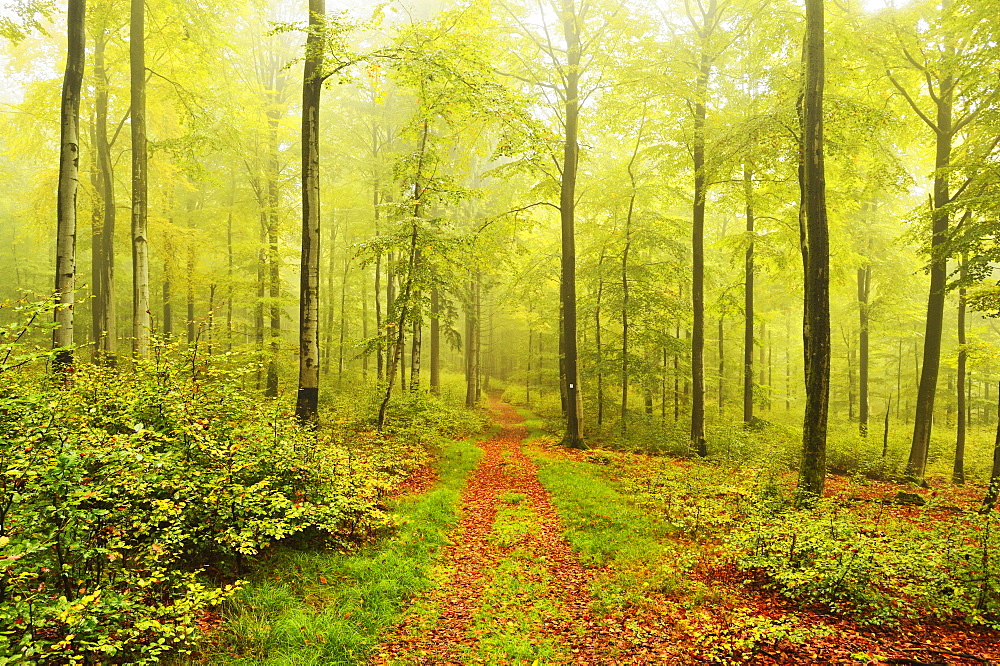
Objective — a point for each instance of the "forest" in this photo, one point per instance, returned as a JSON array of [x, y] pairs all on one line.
[[499, 332]]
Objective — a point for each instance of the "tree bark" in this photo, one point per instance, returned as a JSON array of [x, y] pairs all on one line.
[[470, 355], [307, 398], [573, 437], [435, 325], [748, 300], [923, 418], [698, 443], [140, 241], [958, 471], [993, 490], [816, 262], [104, 314], [722, 365], [69, 175], [864, 291], [343, 316]]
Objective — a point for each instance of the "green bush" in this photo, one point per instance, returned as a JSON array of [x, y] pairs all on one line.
[[877, 571], [125, 493]]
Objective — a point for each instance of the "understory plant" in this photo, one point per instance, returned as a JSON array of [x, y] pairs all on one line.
[[133, 499], [878, 567]]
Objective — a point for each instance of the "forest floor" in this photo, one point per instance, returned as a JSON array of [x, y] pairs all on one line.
[[510, 589]]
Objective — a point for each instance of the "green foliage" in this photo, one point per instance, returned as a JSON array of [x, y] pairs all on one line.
[[875, 569], [329, 607], [125, 493]]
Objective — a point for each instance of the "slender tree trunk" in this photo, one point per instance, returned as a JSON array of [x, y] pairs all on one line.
[[625, 305], [273, 289], [140, 241], [307, 398], [567, 204], [478, 359], [527, 370], [364, 326], [816, 262], [470, 366], [189, 280], [104, 323], [993, 490], [343, 316], [230, 287], [698, 242], [924, 415], [396, 349], [598, 344], [748, 299], [958, 472], [415, 347], [258, 312], [864, 290], [69, 175], [211, 319], [168, 293], [722, 365], [435, 325]]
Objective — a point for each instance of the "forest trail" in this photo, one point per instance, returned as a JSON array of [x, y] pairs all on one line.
[[510, 584]]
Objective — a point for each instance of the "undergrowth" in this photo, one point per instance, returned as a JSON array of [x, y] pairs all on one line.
[[133, 499], [324, 606]]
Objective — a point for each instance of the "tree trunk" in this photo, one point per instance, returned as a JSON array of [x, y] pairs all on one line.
[[598, 344], [415, 346], [567, 204], [435, 325], [864, 290], [958, 472], [307, 398], [168, 294], [924, 414], [470, 365], [748, 299], [816, 262], [698, 242], [364, 326], [69, 174], [628, 244], [140, 242], [722, 365], [230, 287], [104, 324], [211, 319], [189, 280], [993, 490], [343, 315], [396, 349]]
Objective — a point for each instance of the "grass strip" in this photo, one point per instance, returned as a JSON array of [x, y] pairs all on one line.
[[324, 607]]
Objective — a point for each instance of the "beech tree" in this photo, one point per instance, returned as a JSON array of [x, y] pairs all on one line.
[[307, 400], [141, 323], [69, 169], [815, 259]]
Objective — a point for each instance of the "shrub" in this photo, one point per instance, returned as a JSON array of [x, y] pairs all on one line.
[[125, 494]]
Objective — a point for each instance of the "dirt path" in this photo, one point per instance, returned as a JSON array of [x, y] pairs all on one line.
[[511, 588]]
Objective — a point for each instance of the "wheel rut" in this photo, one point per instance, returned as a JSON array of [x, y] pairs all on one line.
[[510, 587]]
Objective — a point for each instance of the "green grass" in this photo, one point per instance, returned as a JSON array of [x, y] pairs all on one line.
[[324, 607]]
